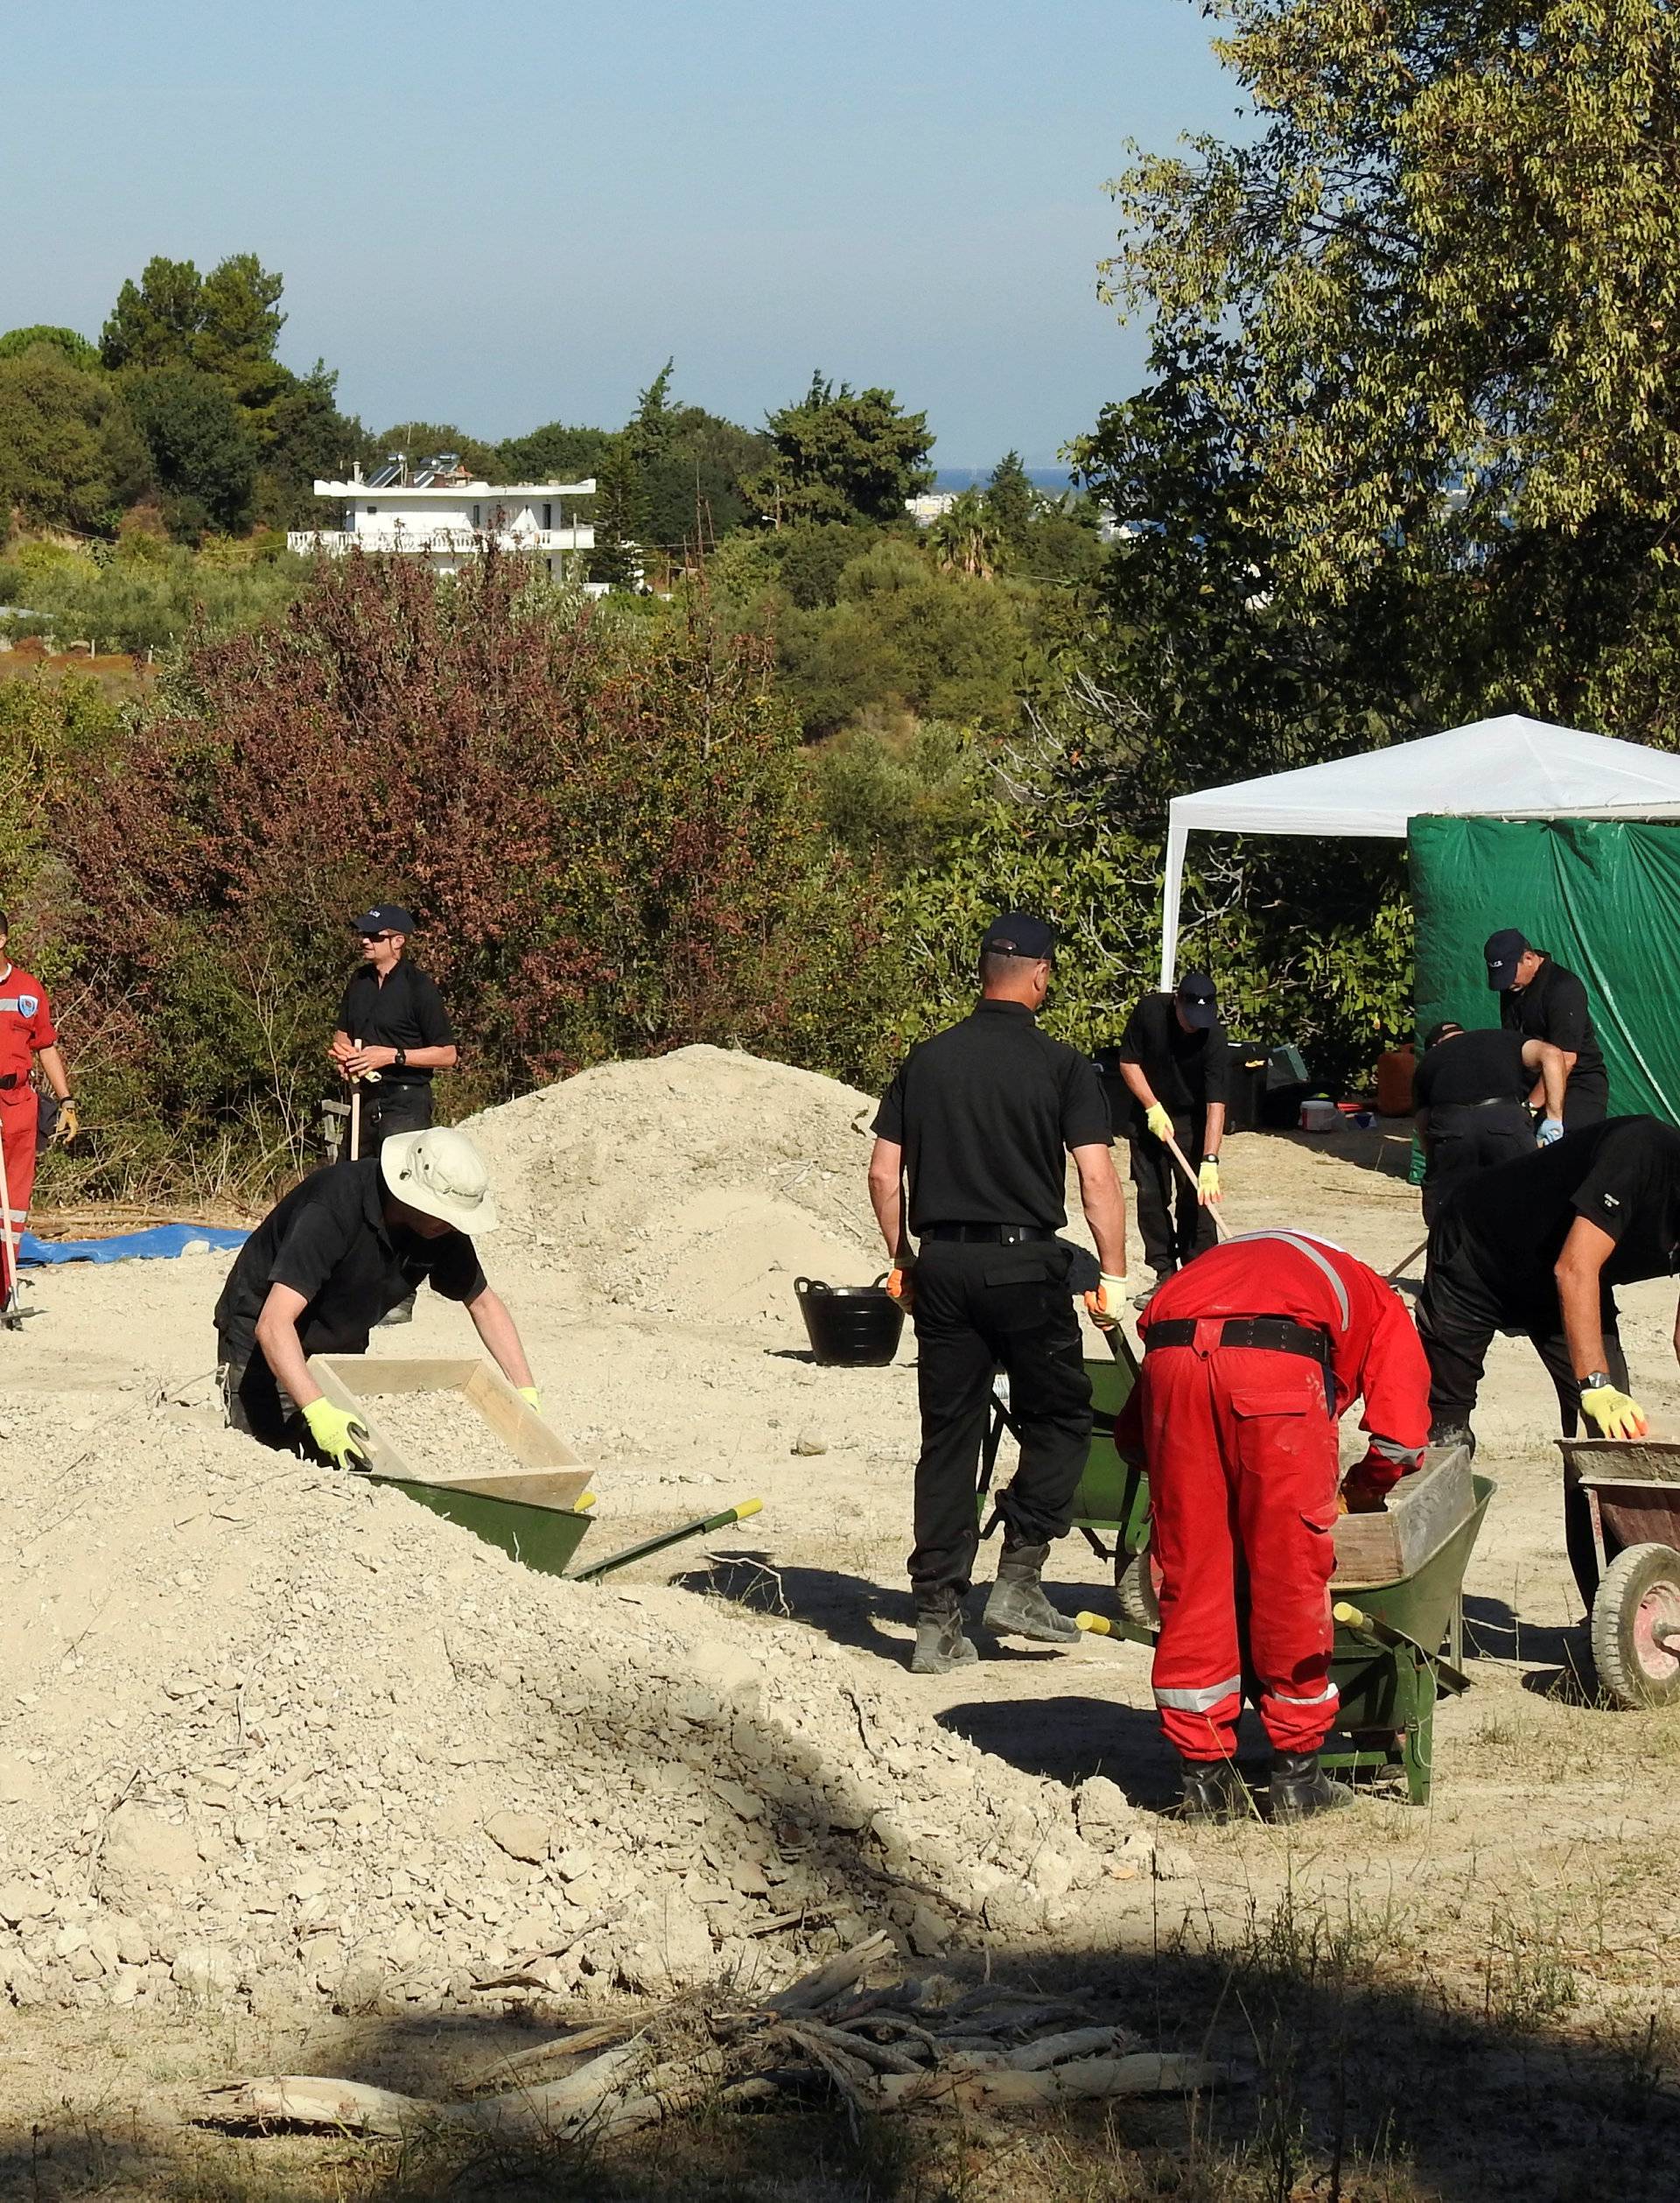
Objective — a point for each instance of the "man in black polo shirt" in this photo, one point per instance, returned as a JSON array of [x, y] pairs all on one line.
[[1174, 1063], [393, 1030], [1470, 1095], [328, 1263], [1544, 1002], [1536, 1246], [981, 1119]]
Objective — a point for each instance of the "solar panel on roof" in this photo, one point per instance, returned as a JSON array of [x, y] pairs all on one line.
[[386, 475]]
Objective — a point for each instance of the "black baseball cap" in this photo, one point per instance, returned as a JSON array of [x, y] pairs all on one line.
[[1436, 1034], [1017, 934], [1195, 997], [1503, 950], [384, 917]]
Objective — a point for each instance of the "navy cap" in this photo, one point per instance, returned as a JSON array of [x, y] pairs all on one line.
[[1503, 949], [1197, 1000], [1017, 934], [384, 917]]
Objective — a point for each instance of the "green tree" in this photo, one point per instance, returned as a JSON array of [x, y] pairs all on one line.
[[202, 450], [618, 519], [156, 322], [969, 538], [902, 636], [308, 439], [75, 348], [70, 456], [553, 453], [843, 454], [1450, 250], [1011, 501]]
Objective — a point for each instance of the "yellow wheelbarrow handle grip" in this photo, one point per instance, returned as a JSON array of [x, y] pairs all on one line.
[[1094, 1624]]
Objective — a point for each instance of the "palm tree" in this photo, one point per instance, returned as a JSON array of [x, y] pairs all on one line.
[[967, 539]]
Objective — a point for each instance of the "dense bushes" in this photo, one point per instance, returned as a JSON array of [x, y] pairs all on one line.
[[603, 824]]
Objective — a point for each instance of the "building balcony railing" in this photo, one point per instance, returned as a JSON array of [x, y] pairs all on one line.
[[449, 541]]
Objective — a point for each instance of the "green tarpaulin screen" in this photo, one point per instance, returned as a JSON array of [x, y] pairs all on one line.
[[1602, 897]]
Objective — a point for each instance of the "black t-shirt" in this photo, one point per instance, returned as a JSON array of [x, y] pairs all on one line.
[[1185, 1070], [329, 1240], [1472, 1067], [986, 1112], [1552, 1006], [1623, 1174], [406, 1012]]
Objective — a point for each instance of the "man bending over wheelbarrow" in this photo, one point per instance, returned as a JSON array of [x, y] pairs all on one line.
[[1250, 1354], [1536, 1246]]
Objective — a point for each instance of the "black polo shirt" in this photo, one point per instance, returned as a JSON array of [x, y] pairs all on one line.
[[986, 1112], [1552, 1006], [1623, 1174], [329, 1240], [407, 1011], [1185, 1070], [1472, 1067]]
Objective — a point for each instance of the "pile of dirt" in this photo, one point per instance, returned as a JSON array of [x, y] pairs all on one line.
[[274, 1732], [697, 1184]]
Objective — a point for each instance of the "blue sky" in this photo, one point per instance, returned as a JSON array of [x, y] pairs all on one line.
[[510, 214]]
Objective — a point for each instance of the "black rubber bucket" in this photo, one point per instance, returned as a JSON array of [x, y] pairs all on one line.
[[850, 1326]]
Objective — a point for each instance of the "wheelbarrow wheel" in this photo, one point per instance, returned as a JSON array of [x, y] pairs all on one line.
[[1134, 1590], [1636, 1627]]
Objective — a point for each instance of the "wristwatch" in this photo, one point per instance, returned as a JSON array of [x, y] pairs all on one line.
[[401, 1060], [1595, 1380]]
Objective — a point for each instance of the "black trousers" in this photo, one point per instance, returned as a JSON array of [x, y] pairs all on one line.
[[1172, 1222], [1586, 1101], [976, 1306], [254, 1401], [1463, 1141], [1461, 1310], [386, 1108]]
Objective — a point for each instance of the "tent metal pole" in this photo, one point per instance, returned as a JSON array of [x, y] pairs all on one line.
[[1171, 885]]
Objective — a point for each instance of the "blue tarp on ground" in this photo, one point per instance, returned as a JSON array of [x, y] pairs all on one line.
[[159, 1243]]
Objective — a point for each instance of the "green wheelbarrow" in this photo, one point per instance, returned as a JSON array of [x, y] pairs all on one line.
[[538, 1511], [1398, 1592]]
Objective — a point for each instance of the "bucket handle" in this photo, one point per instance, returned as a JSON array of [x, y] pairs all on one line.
[[802, 1286]]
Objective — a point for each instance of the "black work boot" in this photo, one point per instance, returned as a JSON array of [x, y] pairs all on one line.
[[1445, 1434], [1018, 1606], [941, 1644], [1300, 1787], [1213, 1790]]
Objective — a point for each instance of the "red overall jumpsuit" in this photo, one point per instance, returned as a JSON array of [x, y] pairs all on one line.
[[1240, 1444], [25, 1028]]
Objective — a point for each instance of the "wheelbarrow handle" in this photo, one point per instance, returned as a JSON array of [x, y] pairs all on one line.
[[1376, 1630]]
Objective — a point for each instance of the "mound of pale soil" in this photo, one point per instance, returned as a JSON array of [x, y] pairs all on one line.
[[273, 1731]]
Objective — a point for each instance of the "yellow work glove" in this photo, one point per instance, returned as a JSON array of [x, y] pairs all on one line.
[[1615, 1414], [69, 1122], [338, 1434], [1158, 1120], [1104, 1306], [901, 1285], [532, 1398], [1207, 1182]]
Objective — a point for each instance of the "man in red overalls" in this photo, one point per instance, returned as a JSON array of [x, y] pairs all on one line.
[[25, 1032], [1250, 1354]]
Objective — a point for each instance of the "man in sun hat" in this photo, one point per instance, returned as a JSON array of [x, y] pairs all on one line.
[[337, 1254]]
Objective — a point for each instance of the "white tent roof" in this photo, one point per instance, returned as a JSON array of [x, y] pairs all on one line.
[[1508, 767]]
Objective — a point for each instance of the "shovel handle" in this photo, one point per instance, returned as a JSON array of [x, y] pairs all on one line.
[[1220, 1227]]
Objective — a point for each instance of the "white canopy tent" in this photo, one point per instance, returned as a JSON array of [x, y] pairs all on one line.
[[1508, 767]]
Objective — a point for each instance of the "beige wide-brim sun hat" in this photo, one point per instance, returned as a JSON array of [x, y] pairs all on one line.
[[442, 1174]]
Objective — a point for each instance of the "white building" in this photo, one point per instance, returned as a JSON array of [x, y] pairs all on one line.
[[431, 515]]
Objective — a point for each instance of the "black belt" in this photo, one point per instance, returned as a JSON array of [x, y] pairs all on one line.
[[1279, 1334], [996, 1235]]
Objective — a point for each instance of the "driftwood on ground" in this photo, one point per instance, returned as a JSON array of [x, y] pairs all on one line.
[[908, 2045]]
